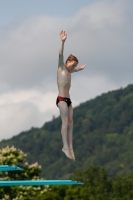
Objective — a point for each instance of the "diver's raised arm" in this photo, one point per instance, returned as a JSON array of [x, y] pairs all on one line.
[[63, 37]]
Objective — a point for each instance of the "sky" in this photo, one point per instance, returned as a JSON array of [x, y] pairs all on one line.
[[99, 34]]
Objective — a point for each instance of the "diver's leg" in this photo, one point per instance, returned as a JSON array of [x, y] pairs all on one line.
[[64, 117], [70, 130]]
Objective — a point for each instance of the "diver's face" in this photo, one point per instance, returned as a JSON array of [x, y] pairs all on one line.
[[71, 65]]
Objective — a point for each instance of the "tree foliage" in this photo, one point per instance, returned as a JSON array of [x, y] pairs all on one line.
[[97, 186], [13, 156]]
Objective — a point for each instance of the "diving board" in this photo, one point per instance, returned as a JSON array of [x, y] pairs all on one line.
[[9, 168], [33, 182], [40, 182]]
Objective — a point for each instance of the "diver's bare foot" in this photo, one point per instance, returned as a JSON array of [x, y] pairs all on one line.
[[67, 152], [72, 153]]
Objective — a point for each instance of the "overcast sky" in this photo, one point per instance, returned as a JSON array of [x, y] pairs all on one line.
[[100, 35]]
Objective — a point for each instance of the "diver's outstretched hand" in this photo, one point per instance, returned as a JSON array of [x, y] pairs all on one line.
[[63, 35], [82, 67]]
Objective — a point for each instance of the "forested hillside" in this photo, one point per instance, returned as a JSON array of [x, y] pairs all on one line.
[[103, 136]]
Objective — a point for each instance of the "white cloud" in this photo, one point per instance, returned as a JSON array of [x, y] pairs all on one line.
[[100, 35], [88, 87], [21, 110]]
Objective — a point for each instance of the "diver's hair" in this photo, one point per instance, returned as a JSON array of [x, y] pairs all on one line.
[[72, 58]]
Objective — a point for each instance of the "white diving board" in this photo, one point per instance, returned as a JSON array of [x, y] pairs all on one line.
[[40, 182], [9, 168]]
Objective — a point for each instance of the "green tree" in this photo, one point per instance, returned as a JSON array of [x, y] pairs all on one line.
[[16, 157], [96, 187], [122, 188]]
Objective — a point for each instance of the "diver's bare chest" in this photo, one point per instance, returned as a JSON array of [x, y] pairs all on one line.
[[64, 75]]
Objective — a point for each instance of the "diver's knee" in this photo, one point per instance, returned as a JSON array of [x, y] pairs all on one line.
[[70, 123]]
